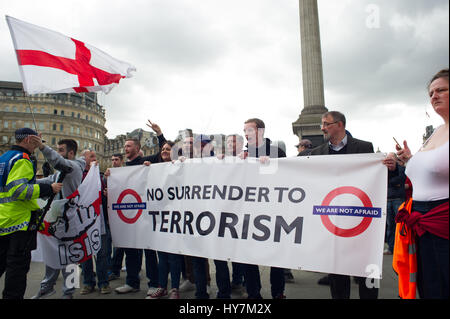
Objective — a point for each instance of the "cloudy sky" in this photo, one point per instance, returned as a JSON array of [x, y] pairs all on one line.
[[209, 65]]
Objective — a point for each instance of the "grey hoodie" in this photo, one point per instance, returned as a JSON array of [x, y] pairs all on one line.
[[73, 179]]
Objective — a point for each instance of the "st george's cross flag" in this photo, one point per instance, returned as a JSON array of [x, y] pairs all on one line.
[[51, 62]]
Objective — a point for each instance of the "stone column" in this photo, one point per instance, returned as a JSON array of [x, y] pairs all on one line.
[[308, 123]]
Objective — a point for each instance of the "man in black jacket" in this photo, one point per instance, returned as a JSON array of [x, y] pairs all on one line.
[[338, 141], [133, 256], [261, 147], [257, 144]]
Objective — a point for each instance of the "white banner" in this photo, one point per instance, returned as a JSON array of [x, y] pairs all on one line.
[[72, 226], [318, 213]]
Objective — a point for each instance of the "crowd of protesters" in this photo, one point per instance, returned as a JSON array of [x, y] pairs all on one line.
[[425, 175]]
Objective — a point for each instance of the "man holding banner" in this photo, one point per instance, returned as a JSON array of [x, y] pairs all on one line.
[[261, 147], [63, 158], [339, 142], [133, 256]]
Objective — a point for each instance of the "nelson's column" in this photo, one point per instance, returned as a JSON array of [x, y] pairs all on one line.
[[308, 123]]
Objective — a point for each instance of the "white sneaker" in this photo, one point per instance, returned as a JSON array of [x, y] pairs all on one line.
[[151, 291], [186, 286], [125, 289]]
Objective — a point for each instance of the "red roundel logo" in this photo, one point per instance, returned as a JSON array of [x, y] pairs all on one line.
[[138, 205], [350, 232]]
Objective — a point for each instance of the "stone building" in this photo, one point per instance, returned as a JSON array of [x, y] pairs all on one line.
[[57, 116]]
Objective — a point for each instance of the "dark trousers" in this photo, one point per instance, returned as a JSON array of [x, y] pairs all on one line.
[[15, 258], [133, 262], [223, 279], [187, 270], [237, 274], [117, 260], [253, 281], [432, 267], [340, 287], [151, 268], [277, 282], [199, 270], [432, 260]]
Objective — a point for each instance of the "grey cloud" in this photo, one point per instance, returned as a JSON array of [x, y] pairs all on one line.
[[386, 65], [171, 34]]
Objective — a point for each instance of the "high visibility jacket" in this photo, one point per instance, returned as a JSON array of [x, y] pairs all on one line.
[[405, 259], [18, 191]]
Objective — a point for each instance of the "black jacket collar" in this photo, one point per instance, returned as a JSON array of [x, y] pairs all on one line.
[[20, 149], [136, 161]]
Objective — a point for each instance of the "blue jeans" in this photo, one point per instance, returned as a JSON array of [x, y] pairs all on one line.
[[169, 263], [199, 269], [102, 266], [392, 209], [432, 260], [51, 275], [151, 268], [223, 279], [133, 262]]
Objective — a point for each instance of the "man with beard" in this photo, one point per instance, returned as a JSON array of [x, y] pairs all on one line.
[[339, 141]]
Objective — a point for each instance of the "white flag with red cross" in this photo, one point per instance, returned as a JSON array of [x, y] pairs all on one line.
[[51, 62]]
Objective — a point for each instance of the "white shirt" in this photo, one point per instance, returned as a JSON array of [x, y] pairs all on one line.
[[340, 146]]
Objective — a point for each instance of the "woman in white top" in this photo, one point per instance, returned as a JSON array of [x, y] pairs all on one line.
[[428, 171]]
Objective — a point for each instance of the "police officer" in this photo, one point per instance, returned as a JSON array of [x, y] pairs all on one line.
[[18, 211]]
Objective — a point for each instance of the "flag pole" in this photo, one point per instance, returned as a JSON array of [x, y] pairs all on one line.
[[31, 111]]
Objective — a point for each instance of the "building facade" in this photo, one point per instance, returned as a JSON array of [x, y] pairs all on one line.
[[56, 116]]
